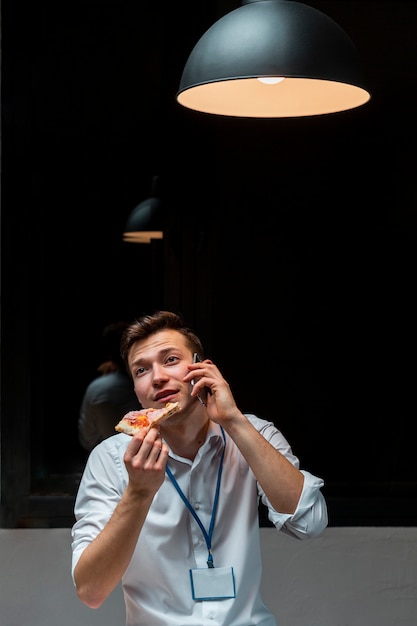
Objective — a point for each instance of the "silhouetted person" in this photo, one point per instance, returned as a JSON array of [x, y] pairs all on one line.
[[109, 396]]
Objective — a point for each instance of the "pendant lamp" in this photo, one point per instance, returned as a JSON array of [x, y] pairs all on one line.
[[145, 221], [273, 58]]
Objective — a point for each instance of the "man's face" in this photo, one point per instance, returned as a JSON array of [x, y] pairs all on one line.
[[158, 365]]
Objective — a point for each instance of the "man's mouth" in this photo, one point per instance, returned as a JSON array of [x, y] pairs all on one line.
[[166, 395]]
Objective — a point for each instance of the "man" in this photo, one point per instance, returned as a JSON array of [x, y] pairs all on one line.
[[173, 512]]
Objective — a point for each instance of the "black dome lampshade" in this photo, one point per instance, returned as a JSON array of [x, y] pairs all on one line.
[[273, 58], [146, 220]]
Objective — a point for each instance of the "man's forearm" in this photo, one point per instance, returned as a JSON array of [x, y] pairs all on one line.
[[280, 480]]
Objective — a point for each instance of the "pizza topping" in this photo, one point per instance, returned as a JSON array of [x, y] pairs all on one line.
[[135, 419]]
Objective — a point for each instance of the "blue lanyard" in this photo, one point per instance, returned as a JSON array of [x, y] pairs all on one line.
[[207, 536]]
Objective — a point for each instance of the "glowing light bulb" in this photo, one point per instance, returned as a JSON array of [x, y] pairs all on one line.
[[271, 80]]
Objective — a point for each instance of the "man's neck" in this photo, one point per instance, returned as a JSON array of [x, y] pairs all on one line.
[[186, 439]]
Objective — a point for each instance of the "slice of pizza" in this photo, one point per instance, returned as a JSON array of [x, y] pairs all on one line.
[[134, 421]]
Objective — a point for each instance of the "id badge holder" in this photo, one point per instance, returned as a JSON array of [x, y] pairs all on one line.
[[212, 583]]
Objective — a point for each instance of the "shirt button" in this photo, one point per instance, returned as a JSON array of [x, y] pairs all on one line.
[[211, 616], [196, 506]]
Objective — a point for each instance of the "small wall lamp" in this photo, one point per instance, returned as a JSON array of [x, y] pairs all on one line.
[[273, 58], [145, 221]]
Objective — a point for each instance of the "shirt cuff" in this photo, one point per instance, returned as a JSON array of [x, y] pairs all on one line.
[[310, 517]]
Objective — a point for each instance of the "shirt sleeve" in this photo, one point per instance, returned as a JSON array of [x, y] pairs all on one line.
[[87, 424], [103, 482], [310, 517]]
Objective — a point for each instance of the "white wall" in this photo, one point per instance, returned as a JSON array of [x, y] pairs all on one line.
[[346, 577]]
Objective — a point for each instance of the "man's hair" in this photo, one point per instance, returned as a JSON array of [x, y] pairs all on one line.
[[147, 325]]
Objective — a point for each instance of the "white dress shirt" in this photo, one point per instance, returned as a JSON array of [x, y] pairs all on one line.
[[156, 584]]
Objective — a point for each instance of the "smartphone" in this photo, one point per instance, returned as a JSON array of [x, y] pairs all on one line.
[[196, 359]]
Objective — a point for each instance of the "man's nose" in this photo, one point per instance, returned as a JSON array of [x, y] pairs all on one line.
[[158, 374]]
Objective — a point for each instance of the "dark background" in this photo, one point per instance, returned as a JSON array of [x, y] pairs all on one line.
[[290, 244]]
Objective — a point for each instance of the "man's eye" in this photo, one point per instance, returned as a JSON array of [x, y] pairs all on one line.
[[139, 371], [172, 359]]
